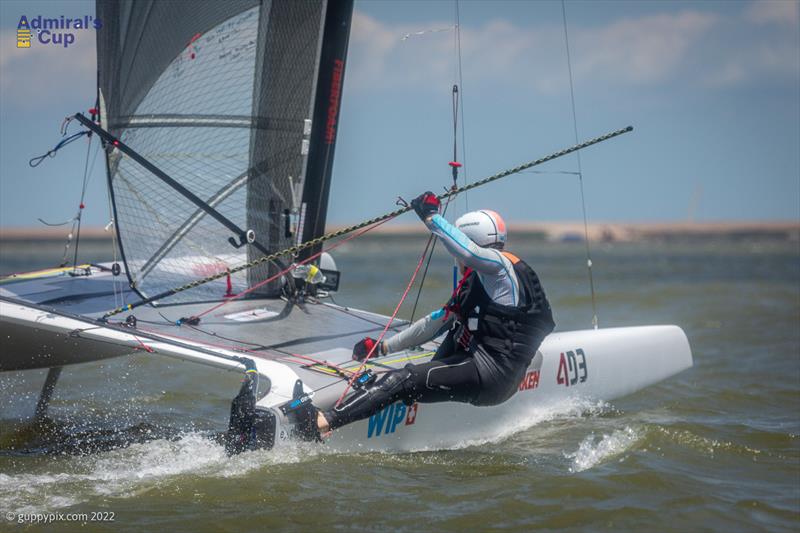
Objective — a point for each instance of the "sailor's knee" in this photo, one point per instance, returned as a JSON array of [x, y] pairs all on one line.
[[398, 384], [394, 381]]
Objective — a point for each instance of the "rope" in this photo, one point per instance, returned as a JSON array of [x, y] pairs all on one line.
[[76, 220], [454, 164], [433, 239], [580, 171], [36, 161], [145, 347], [288, 269], [82, 204], [343, 371], [346, 310], [294, 250], [386, 328]]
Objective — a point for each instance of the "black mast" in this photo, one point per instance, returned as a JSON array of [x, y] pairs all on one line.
[[325, 122]]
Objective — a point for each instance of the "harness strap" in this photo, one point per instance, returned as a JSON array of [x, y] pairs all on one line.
[[452, 304]]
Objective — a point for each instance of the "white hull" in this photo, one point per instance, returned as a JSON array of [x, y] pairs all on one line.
[[594, 365], [614, 362]]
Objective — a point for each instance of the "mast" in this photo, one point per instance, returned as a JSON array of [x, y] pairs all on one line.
[[325, 123]]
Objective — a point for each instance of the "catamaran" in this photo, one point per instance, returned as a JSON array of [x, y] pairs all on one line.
[[218, 121]]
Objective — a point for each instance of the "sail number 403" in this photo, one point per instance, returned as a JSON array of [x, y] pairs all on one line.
[[572, 368]]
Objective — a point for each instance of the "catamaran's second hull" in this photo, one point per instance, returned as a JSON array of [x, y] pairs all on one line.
[[31, 338]]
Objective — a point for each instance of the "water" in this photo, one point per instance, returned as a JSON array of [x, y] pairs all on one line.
[[716, 447]]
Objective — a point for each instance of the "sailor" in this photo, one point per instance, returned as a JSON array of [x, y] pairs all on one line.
[[495, 321]]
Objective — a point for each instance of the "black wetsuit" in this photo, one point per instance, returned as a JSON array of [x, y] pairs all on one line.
[[482, 360]]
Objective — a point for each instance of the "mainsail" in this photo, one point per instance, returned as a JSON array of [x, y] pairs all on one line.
[[236, 101]]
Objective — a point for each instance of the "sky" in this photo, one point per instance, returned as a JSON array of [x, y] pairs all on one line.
[[711, 88]]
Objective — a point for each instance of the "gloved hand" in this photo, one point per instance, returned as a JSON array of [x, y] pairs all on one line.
[[426, 205], [363, 347]]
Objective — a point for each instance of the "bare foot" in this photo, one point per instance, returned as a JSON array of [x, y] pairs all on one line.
[[322, 424]]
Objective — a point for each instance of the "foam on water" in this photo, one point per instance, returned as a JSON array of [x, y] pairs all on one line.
[[131, 471], [141, 467], [533, 415], [593, 450]]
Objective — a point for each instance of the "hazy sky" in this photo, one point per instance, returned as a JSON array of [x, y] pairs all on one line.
[[712, 88]]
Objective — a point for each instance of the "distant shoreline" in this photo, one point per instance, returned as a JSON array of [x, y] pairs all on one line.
[[551, 231]]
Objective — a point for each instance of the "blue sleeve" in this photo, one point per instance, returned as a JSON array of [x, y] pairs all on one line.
[[486, 260], [426, 328]]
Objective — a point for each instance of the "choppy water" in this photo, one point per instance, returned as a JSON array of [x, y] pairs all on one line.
[[717, 447]]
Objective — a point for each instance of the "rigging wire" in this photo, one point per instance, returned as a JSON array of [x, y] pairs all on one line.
[[75, 229], [595, 323], [87, 175], [82, 205], [346, 310], [289, 269], [569, 172], [461, 87], [371, 223], [344, 373], [454, 164], [386, 328], [258, 348]]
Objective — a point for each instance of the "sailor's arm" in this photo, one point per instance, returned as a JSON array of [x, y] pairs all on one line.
[[485, 260], [426, 328]]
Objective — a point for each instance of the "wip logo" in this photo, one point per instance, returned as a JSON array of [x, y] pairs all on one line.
[[387, 419], [60, 31]]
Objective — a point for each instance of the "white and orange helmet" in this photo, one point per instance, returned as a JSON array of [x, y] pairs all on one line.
[[484, 228]]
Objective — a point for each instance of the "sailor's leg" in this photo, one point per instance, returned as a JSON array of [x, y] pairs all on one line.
[[451, 379], [389, 388], [47, 392], [446, 349]]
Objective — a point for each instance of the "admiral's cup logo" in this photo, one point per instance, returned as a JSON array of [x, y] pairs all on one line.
[[23, 34], [59, 31]]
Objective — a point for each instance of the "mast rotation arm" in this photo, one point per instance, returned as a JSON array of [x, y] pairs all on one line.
[[245, 237]]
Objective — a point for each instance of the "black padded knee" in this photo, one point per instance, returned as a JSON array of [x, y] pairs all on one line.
[[389, 388], [396, 382]]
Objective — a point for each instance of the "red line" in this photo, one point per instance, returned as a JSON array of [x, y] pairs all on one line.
[[388, 325], [290, 268], [234, 348], [145, 347]]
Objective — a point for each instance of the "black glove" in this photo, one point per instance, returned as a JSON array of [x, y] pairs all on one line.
[[426, 204], [363, 347]]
